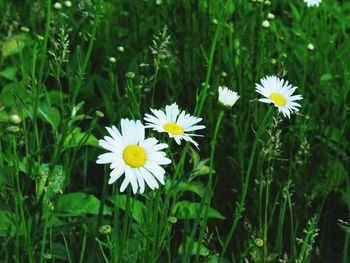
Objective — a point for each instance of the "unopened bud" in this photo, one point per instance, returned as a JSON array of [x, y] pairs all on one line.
[[68, 3], [259, 242], [105, 230], [224, 74], [13, 129], [172, 219], [130, 75], [99, 114], [57, 6], [15, 119], [112, 59], [25, 29], [270, 16], [265, 24], [310, 47]]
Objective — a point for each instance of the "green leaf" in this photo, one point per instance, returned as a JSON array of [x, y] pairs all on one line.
[[77, 138], [195, 157], [137, 207], [195, 187], [59, 251], [51, 115], [78, 204], [216, 259], [6, 224], [13, 45], [201, 168], [7, 97], [4, 117], [190, 210], [326, 77], [204, 251], [9, 73], [55, 184]]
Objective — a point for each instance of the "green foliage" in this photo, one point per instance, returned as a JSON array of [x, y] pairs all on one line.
[[77, 138], [78, 204], [190, 210], [278, 192]]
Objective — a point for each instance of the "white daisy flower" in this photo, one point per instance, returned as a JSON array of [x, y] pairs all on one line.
[[311, 3], [279, 92], [227, 97], [176, 124], [131, 154]]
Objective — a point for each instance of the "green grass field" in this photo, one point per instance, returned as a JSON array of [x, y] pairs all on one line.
[[260, 187]]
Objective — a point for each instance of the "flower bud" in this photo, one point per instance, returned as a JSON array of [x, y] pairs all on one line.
[[105, 230], [68, 3], [227, 97], [25, 29], [112, 59], [15, 119], [172, 220], [57, 6], [266, 24], [130, 75], [310, 47]]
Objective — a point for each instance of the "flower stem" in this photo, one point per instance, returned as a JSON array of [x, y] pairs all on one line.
[[267, 193], [208, 194], [240, 206]]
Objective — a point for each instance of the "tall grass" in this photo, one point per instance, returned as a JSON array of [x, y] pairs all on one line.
[[260, 188]]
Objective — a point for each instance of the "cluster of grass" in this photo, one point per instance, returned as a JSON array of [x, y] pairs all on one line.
[[261, 188]]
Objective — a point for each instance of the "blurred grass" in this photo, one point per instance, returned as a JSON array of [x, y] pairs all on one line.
[[310, 185]]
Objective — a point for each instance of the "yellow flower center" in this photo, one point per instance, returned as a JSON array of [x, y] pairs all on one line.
[[278, 99], [173, 128], [134, 156]]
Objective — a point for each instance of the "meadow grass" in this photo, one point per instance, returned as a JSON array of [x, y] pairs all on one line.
[[261, 187]]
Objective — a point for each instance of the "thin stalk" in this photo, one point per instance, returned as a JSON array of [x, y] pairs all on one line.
[[203, 95], [20, 200], [43, 240], [209, 190], [240, 207], [267, 192], [89, 51], [154, 82], [125, 226], [100, 214], [83, 246], [40, 77]]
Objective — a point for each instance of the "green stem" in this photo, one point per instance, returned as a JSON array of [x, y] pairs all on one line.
[[125, 226], [208, 193], [43, 241], [88, 54], [154, 83], [266, 208], [240, 206]]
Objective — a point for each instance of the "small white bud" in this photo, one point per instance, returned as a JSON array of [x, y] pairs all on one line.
[[270, 16], [266, 24], [227, 97], [68, 3], [121, 49], [310, 47], [15, 119], [25, 29], [57, 6], [112, 59]]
